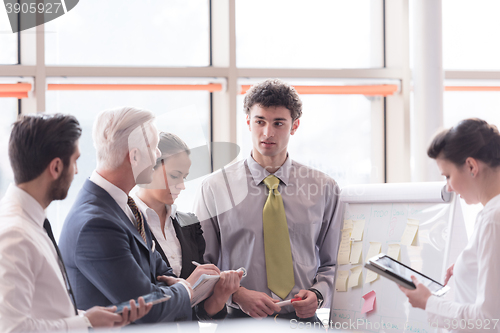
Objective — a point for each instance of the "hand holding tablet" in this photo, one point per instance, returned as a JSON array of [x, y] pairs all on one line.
[[401, 274]]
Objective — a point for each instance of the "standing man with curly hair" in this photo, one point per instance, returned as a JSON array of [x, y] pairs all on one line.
[[277, 218]]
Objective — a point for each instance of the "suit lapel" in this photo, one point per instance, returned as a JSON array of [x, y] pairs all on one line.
[[124, 219]]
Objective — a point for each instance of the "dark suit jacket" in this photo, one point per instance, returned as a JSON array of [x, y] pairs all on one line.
[[190, 235], [108, 262], [188, 231]]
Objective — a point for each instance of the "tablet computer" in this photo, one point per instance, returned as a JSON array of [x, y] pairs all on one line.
[[401, 274], [155, 297]]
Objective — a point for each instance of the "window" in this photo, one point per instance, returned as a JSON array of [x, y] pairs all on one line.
[[85, 105], [127, 32], [471, 31], [309, 34], [8, 109], [8, 41]]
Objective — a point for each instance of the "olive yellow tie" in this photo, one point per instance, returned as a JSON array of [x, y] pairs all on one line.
[[279, 264]]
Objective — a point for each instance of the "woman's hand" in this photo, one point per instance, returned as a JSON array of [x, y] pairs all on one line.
[[418, 297], [208, 269], [228, 284], [449, 274]]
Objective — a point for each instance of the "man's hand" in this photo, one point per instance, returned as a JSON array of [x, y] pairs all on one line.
[[169, 281], [135, 312], [105, 317], [449, 274], [307, 307], [228, 283], [208, 269], [255, 303], [418, 297]]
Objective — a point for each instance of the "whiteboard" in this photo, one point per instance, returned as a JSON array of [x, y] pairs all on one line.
[[385, 209]]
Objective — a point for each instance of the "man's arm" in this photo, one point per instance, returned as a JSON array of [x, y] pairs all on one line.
[[328, 242], [206, 212], [20, 263], [104, 256]]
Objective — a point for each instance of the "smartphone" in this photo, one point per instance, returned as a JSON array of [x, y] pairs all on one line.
[[401, 274], [155, 297]]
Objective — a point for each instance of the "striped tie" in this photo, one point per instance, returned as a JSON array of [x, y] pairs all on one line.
[[138, 218]]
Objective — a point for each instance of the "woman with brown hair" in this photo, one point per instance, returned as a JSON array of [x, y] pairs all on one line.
[[468, 155], [177, 235]]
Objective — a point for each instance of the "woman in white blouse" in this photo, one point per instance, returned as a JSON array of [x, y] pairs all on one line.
[[178, 236], [468, 155]]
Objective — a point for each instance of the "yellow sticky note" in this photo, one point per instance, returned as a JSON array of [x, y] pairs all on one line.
[[357, 230], [341, 284], [373, 250], [357, 247], [345, 247], [347, 224], [355, 275], [410, 232], [370, 276], [393, 251]]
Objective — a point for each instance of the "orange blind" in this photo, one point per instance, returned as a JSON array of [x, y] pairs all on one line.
[[368, 90], [16, 90], [211, 87]]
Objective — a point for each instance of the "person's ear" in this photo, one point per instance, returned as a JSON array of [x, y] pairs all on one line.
[[248, 122], [56, 167], [133, 155], [472, 166], [295, 125]]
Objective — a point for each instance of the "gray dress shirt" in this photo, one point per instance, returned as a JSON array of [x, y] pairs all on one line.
[[229, 206]]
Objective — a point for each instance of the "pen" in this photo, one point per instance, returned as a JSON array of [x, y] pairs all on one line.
[[283, 303], [241, 269]]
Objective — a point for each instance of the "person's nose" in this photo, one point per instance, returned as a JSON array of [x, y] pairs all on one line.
[[268, 131]]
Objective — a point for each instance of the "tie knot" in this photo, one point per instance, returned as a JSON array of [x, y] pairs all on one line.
[[271, 182]]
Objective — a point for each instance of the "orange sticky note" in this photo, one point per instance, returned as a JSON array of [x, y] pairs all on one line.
[[369, 302]]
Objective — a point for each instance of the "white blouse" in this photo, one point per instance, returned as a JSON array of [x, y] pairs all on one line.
[[169, 243], [477, 280]]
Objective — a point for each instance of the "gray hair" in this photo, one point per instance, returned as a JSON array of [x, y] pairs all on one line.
[[111, 132]]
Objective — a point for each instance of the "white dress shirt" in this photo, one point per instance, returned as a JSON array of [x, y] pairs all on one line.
[[33, 295], [169, 243], [477, 280], [230, 204]]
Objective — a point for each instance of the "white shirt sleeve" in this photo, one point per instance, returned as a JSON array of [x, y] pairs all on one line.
[[486, 308], [19, 264]]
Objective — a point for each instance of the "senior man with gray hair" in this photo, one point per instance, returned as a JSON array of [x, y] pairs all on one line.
[[105, 241]]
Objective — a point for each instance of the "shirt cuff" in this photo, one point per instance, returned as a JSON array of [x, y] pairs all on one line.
[[186, 285], [80, 323]]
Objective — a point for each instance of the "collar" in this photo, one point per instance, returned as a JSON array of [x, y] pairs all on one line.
[[115, 192], [29, 204], [146, 209], [494, 202], [259, 173]]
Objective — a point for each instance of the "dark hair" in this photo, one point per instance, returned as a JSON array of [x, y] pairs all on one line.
[[36, 140], [170, 144], [470, 138], [274, 92]]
